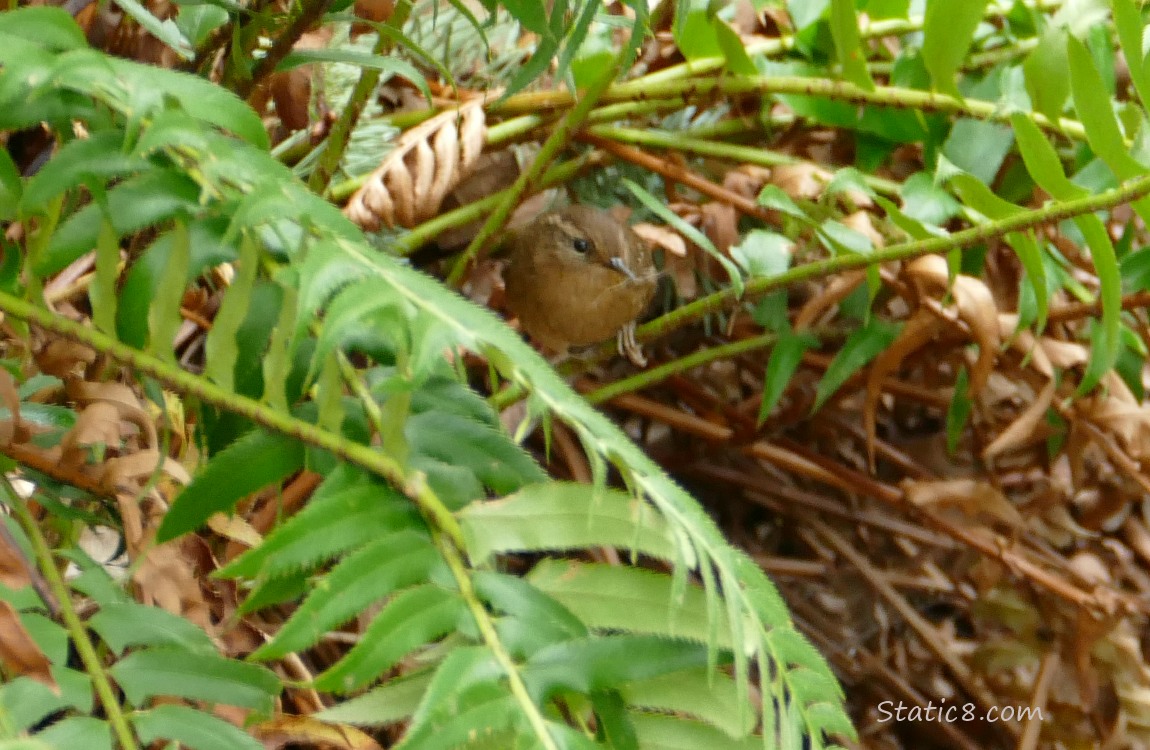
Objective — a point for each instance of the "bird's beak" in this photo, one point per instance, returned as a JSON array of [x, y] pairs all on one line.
[[620, 265]]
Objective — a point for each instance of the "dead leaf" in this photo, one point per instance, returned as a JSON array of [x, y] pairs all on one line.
[[18, 651], [662, 236], [801, 181], [971, 496], [13, 565], [306, 730], [976, 307], [1022, 430]]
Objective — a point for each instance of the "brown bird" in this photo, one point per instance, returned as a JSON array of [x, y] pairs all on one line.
[[577, 276]]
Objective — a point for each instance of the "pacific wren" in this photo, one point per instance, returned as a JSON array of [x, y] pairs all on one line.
[[577, 276]]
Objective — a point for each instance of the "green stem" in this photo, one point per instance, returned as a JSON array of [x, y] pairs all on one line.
[[364, 456], [729, 151], [1054, 212], [341, 129], [651, 376], [558, 140], [884, 96], [76, 629], [491, 637]]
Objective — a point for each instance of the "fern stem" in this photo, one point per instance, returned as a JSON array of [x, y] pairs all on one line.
[[558, 140], [884, 96], [364, 456], [653, 375], [729, 151], [79, 634], [340, 134], [1054, 212], [491, 638]]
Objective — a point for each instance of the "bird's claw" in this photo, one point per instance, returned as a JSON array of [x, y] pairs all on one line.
[[629, 347]]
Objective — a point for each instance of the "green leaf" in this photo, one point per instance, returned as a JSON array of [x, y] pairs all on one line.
[[412, 618], [763, 253], [193, 729], [658, 208], [125, 624], [732, 48], [534, 619], [534, 67], [11, 187], [164, 317], [839, 238], [176, 672], [25, 702], [786, 356], [51, 27], [363, 578], [948, 29], [958, 412], [389, 65], [1047, 71], [860, 348], [605, 662], [1128, 22], [1094, 109], [848, 43], [197, 22], [495, 459], [166, 31], [702, 694], [49, 637], [77, 731], [805, 13], [676, 733], [775, 198], [484, 713], [252, 463], [222, 345], [1106, 341], [141, 201], [100, 157], [531, 14], [693, 32], [144, 276], [926, 202], [346, 511], [627, 599], [102, 292], [561, 516], [394, 701], [978, 147], [465, 670], [1042, 160], [1135, 269]]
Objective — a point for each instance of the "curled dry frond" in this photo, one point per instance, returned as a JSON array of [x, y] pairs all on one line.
[[429, 160]]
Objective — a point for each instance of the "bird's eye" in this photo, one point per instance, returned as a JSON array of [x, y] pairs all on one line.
[[581, 245]]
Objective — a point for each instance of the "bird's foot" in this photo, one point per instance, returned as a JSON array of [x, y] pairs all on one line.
[[629, 347]]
